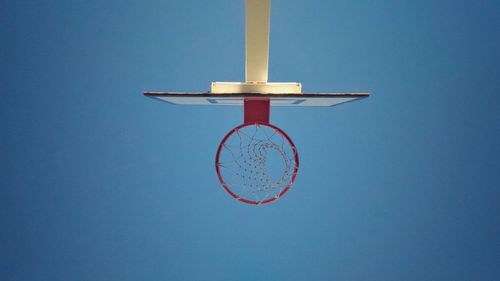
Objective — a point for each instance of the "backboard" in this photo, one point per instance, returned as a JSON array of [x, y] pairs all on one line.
[[303, 99]]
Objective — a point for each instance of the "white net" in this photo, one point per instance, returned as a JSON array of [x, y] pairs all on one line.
[[257, 163]]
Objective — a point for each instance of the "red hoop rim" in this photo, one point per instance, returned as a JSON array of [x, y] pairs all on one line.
[[292, 178]]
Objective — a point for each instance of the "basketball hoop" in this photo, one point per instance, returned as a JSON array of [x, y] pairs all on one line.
[[256, 163]]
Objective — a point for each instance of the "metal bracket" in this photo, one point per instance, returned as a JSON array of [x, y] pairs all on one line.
[[255, 88]]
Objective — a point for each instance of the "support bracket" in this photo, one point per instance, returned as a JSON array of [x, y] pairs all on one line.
[[256, 110]]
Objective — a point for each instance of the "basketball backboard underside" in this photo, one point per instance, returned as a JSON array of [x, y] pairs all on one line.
[[303, 99]]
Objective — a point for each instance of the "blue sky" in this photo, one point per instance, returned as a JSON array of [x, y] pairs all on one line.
[[100, 183]]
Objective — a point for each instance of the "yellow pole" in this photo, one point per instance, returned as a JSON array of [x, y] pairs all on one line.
[[257, 40]]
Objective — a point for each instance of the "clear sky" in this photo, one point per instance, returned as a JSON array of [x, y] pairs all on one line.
[[100, 183]]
